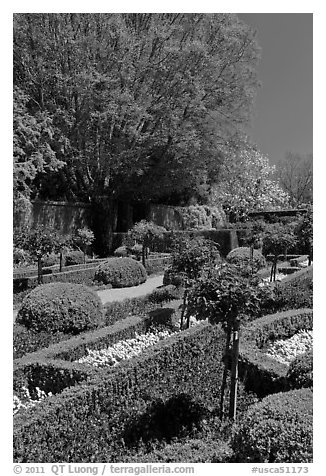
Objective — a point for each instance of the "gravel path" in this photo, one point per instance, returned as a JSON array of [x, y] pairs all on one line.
[[119, 294], [109, 295]]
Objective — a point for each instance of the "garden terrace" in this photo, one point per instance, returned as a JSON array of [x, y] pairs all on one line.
[[259, 372], [117, 407]]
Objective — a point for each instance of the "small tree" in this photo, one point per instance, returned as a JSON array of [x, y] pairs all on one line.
[[189, 257], [145, 232], [277, 239], [226, 296], [84, 237], [305, 232], [40, 242]]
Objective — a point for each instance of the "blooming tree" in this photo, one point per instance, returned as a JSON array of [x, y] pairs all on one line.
[[246, 182]]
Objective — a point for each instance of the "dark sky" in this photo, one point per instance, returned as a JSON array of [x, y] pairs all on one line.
[[284, 106]]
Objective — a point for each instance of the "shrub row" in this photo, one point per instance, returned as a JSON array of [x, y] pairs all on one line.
[[27, 340], [117, 310], [279, 429], [97, 420], [157, 265], [227, 239], [32, 271], [260, 373], [80, 276], [43, 368]]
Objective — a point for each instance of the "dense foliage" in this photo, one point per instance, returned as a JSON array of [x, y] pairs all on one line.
[[190, 255], [300, 372], [74, 257], [242, 257], [278, 429], [64, 307], [121, 272], [168, 119]]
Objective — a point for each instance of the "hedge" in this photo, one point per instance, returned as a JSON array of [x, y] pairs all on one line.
[[121, 272], [279, 429], [227, 239], [300, 373], [43, 368], [80, 276], [28, 341], [61, 307], [95, 421], [117, 310], [260, 373]]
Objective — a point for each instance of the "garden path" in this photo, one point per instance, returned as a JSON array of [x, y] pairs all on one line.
[[118, 294]]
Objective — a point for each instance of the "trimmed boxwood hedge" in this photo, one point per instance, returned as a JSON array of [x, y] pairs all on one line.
[[300, 372], [279, 429], [91, 422], [260, 373], [61, 307], [74, 257], [121, 272], [241, 256], [43, 368]]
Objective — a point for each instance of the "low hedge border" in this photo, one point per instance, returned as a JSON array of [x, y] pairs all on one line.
[[43, 368], [260, 373], [94, 421], [117, 310], [32, 272], [79, 276], [33, 367], [157, 265]]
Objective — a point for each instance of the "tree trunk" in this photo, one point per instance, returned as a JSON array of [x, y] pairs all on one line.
[[251, 261], [39, 270], [184, 304], [275, 264], [225, 371], [234, 372], [60, 262], [143, 254], [310, 255]]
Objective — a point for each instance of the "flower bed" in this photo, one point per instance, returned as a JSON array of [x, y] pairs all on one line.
[[285, 350], [261, 373], [123, 350]]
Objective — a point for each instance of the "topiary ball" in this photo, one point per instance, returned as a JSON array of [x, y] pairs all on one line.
[[300, 373], [74, 257], [65, 307], [241, 257], [121, 252], [276, 430], [121, 272]]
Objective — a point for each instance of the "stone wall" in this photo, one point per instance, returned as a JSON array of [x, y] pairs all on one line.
[[194, 217], [64, 217]]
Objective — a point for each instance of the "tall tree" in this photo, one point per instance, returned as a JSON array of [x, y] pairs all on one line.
[[295, 173], [139, 99]]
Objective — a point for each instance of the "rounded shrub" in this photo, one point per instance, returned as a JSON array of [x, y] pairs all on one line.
[[121, 252], [300, 373], [50, 259], [61, 307], [121, 272], [276, 430], [74, 257], [241, 257]]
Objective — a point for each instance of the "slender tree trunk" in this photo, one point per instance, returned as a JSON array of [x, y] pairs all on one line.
[[275, 264], [225, 371], [143, 254], [252, 258], [234, 372], [310, 255], [39, 270], [60, 262], [184, 305]]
